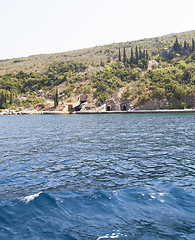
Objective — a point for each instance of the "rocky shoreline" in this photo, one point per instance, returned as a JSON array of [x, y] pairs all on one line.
[[17, 112]]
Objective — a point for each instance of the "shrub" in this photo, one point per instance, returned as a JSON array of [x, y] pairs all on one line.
[[158, 93], [142, 99], [193, 56], [126, 93], [179, 92]]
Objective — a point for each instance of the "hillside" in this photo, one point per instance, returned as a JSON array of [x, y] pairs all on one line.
[[39, 63], [149, 73]]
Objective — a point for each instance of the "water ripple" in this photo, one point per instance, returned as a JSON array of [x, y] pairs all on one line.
[[98, 176]]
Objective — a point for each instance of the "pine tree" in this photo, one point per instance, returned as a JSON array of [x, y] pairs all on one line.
[[119, 55], [56, 98], [124, 56]]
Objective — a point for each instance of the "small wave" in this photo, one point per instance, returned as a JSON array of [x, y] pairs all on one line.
[[158, 196], [31, 197], [112, 236]]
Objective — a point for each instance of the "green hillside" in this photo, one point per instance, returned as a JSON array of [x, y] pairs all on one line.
[[149, 73]]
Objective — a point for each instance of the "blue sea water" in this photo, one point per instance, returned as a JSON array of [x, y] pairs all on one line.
[[128, 176]]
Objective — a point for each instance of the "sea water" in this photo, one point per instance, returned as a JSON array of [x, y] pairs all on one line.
[[128, 176]]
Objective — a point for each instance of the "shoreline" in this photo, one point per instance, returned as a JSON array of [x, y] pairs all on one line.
[[7, 112], [141, 111]]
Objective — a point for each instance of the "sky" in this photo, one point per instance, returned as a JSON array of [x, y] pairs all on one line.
[[30, 27]]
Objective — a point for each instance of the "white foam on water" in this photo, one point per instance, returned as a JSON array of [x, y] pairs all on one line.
[[31, 197], [115, 193], [112, 236], [161, 194], [156, 196], [152, 196], [103, 237]]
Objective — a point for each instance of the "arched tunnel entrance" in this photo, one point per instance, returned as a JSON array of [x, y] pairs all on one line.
[[124, 108], [108, 108]]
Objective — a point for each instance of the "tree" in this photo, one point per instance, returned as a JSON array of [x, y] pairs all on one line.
[[147, 57], [193, 45], [124, 56], [119, 55], [4, 99], [140, 53], [177, 46], [145, 63], [132, 57], [1, 99], [11, 98], [102, 63], [185, 45], [144, 53], [136, 54], [56, 98], [108, 60]]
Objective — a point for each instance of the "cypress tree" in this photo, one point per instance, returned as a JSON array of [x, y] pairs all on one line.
[[147, 57], [108, 60], [56, 98], [132, 57], [136, 54], [119, 55], [193, 45], [102, 63], [140, 53], [185, 45], [124, 56], [144, 53], [5, 97], [10, 98], [1, 99], [177, 46]]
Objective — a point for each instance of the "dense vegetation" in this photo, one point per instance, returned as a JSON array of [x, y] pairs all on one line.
[[104, 72]]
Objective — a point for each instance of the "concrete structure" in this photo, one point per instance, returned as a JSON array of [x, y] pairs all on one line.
[[110, 105], [125, 105], [82, 98]]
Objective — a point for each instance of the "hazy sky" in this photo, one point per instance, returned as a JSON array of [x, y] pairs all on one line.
[[31, 27]]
